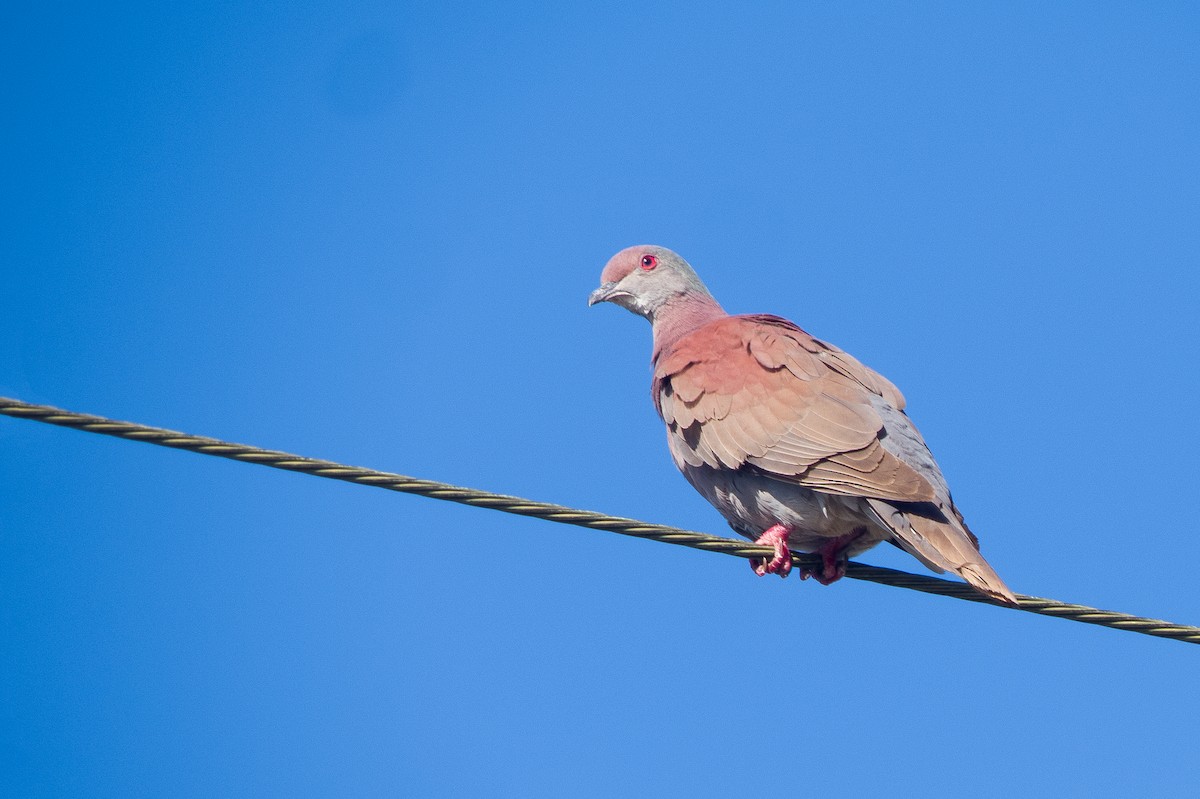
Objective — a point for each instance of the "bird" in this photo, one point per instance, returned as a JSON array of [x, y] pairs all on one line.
[[794, 441]]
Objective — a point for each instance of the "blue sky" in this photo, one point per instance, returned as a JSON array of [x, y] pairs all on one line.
[[368, 234]]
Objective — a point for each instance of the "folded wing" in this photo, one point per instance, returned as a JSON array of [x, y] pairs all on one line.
[[759, 391]]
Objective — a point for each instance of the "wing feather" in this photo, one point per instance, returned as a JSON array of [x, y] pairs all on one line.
[[758, 391]]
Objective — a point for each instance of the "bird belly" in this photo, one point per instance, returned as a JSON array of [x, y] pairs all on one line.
[[752, 502]]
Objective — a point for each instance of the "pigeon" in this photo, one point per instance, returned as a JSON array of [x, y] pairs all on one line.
[[794, 441]]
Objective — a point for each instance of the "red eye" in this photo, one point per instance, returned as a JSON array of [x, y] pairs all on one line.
[[649, 262]]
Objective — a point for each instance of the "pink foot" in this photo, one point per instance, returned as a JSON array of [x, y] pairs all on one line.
[[781, 564], [833, 558], [831, 571]]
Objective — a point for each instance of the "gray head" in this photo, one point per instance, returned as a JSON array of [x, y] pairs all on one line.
[[644, 278]]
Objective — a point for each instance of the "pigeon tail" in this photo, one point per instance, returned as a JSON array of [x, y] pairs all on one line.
[[985, 580], [943, 545]]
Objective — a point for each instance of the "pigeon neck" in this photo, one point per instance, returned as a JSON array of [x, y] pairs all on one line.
[[681, 316]]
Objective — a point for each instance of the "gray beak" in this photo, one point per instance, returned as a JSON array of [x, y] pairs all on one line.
[[602, 294]]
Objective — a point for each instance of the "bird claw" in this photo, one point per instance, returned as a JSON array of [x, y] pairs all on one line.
[[781, 563], [833, 559], [829, 573]]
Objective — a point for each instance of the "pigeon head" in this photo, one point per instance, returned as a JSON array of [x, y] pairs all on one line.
[[646, 278]]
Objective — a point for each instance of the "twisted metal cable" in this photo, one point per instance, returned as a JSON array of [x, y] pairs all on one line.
[[565, 515]]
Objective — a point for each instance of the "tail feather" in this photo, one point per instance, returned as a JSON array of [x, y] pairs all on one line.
[[943, 545]]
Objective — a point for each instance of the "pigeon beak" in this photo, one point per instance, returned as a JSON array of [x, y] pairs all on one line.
[[603, 294]]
